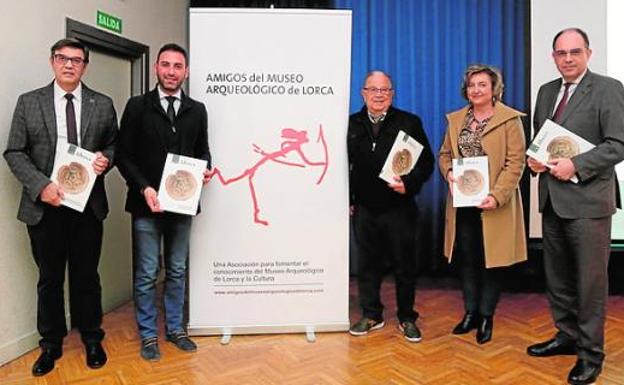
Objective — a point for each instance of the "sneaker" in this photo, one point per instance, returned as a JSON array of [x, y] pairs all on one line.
[[149, 349], [410, 331], [365, 325], [182, 341]]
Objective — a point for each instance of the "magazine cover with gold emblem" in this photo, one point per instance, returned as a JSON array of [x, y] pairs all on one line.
[[472, 182], [73, 173], [555, 141], [181, 184], [402, 158]]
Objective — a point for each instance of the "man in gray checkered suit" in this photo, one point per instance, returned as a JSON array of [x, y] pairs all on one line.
[[64, 110]]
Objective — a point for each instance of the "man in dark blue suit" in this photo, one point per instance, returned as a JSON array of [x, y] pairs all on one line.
[[164, 120]]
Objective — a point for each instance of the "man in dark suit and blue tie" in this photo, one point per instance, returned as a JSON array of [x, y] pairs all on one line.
[[65, 110], [576, 217]]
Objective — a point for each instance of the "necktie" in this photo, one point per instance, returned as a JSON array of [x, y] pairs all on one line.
[[562, 103], [70, 116], [170, 109]]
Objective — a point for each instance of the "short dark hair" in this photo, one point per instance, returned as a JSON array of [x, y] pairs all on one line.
[[573, 29], [172, 47], [72, 43]]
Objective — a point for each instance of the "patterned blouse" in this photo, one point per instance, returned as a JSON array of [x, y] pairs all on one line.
[[469, 141]]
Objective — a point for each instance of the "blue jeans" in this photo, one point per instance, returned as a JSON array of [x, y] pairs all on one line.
[[147, 232]]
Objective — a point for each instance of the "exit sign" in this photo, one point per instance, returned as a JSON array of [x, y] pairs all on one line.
[[107, 21]]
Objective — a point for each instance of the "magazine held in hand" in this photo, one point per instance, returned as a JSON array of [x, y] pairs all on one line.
[[472, 181], [402, 157], [181, 183], [73, 173], [555, 141]]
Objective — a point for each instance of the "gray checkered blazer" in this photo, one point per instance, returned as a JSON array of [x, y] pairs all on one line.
[[32, 144]]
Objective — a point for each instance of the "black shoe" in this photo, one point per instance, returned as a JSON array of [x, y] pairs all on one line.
[[96, 356], [45, 362], [469, 322], [149, 349], [584, 373], [181, 340], [484, 331], [552, 347]]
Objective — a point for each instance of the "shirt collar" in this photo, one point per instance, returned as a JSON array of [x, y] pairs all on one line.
[[576, 81], [59, 93], [162, 95], [377, 118]]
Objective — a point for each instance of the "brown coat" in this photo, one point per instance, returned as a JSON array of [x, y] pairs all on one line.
[[503, 228]]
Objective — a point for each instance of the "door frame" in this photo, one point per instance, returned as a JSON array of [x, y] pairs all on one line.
[[111, 44]]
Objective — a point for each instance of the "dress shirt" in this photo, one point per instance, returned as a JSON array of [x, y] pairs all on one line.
[[60, 102], [573, 85], [165, 103]]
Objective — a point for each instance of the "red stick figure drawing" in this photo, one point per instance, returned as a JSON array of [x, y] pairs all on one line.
[[293, 141]]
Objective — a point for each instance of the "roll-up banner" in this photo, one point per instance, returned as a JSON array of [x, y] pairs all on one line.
[[269, 250]]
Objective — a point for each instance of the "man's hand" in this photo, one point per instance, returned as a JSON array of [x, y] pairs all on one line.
[[100, 163], [52, 194], [207, 176], [151, 198], [535, 165], [563, 169], [398, 186], [488, 203], [450, 180]]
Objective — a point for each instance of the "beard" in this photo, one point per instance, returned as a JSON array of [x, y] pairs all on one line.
[[172, 87]]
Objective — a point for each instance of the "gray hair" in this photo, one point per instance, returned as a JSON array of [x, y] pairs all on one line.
[[377, 72]]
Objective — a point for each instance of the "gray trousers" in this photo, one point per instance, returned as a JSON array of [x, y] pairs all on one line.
[[576, 257]]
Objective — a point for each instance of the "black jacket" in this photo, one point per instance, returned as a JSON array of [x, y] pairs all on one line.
[[142, 149], [366, 160]]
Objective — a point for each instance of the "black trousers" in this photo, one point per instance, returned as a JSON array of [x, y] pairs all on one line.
[[480, 286], [576, 257], [387, 237], [65, 237]]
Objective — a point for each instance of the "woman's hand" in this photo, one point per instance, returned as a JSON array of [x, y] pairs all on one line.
[[450, 180], [489, 203]]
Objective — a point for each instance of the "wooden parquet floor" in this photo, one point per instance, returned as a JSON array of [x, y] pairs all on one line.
[[382, 357]]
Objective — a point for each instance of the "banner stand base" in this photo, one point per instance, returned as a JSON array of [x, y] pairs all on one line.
[[227, 331], [227, 336], [310, 336]]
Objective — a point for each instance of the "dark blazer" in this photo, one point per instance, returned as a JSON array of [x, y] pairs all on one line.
[[595, 112], [142, 150], [32, 145], [366, 161]]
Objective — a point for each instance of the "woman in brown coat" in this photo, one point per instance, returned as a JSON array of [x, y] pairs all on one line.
[[491, 235]]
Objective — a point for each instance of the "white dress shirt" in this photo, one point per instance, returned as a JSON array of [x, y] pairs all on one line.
[[60, 103], [571, 90], [165, 103]]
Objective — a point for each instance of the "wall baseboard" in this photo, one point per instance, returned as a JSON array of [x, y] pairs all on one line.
[[18, 347], [24, 344]]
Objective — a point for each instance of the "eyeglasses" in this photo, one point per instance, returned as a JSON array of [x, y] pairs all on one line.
[[575, 52], [375, 90], [62, 59]]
